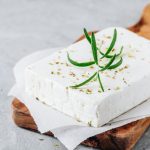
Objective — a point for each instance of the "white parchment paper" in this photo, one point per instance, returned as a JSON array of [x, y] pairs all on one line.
[[69, 131]]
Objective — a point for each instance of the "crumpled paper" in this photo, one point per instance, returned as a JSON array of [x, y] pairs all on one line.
[[63, 126]]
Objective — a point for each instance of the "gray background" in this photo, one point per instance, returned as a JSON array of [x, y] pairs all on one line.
[[30, 25]]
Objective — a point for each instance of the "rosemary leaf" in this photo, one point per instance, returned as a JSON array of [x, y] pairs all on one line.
[[109, 63], [84, 82], [110, 56], [121, 50], [87, 36], [111, 44], [100, 82], [94, 48], [116, 65], [80, 64]]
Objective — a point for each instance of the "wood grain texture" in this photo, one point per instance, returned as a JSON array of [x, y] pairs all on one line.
[[122, 138]]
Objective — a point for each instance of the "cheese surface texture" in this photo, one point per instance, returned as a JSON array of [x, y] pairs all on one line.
[[49, 79]]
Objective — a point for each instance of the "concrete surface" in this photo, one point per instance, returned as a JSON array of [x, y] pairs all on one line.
[[29, 25]]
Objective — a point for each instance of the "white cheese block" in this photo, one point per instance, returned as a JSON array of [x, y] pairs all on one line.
[[125, 87]]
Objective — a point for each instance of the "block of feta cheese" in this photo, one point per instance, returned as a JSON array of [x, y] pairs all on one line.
[[49, 79]]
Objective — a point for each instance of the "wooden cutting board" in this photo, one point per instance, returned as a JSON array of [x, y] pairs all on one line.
[[122, 138]]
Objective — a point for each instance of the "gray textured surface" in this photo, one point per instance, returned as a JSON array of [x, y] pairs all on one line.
[[28, 25]]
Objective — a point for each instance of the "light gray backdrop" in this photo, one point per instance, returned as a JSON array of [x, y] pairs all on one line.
[[30, 25]]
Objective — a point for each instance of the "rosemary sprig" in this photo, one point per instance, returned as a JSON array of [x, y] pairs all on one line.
[[85, 82], [107, 55], [94, 48], [111, 44], [100, 83], [87, 36], [110, 47], [115, 65], [109, 63], [80, 64], [110, 56]]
